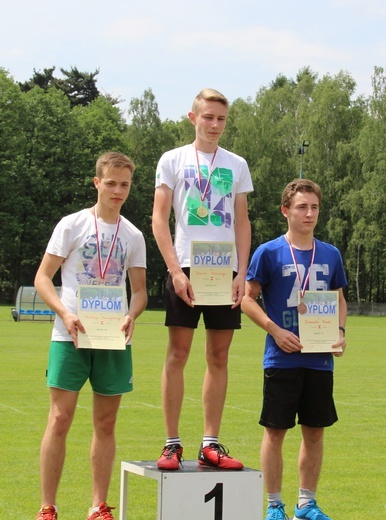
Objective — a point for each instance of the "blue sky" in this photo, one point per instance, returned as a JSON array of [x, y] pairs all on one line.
[[177, 47]]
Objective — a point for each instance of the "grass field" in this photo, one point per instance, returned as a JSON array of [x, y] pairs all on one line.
[[352, 484]]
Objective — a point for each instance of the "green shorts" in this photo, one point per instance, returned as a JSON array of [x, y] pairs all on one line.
[[110, 371]]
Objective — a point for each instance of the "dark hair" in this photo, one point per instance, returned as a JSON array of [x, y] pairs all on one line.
[[302, 185]]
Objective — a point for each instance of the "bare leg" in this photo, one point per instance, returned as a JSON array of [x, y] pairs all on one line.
[[102, 451], [310, 457], [180, 341], [53, 446], [216, 379], [272, 459]]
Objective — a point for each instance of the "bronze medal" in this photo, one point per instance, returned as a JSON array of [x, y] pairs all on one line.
[[302, 308], [202, 211]]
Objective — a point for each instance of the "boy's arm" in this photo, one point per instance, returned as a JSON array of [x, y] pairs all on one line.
[[284, 339], [342, 323], [138, 299], [161, 230], [243, 246], [46, 289]]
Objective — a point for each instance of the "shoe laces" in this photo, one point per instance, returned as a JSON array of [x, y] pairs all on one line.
[[105, 512], [171, 450], [47, 513], [276, 511], [222, 451], [312, 505]]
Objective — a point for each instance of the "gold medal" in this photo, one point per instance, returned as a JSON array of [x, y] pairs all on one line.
[[302, 308], [202, 211]]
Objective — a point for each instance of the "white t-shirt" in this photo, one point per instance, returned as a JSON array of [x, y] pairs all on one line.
[[74, 238], [214, 188]]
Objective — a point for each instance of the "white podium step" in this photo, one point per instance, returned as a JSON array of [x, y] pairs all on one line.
[[196, 492]]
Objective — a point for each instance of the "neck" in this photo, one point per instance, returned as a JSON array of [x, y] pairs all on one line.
[[303, 242], [105, 214], [205, 147]]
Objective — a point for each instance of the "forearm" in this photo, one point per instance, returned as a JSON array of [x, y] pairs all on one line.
[[138, 302], [243, 245], [253, 310], [342, 311], [165, 245]]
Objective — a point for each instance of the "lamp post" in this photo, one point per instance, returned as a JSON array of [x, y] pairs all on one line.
[[301, 150]]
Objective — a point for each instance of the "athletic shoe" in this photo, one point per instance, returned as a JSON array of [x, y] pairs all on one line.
[[171, 457], [47, 513], [217, 455], [311, 512], [103, 513], [275, 511]]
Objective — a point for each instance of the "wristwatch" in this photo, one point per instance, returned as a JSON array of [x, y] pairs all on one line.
[[343, 330]]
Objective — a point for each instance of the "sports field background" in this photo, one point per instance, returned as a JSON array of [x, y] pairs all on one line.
[[353, 480]]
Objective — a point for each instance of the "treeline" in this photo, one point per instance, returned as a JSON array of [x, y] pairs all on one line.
[[52, 130]]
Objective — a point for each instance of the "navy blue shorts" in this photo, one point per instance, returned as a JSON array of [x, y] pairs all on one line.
[[304, 392], [216, 317]]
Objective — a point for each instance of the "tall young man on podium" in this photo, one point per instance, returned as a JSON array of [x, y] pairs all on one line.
[[207, 188]]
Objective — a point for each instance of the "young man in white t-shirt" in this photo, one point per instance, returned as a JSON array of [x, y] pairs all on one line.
[[207, 188], [97, 247]]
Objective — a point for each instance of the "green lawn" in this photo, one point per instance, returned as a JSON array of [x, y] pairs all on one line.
[[354, 475]]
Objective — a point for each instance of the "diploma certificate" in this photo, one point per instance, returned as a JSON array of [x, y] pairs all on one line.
[[319, 323], [101, 309], [211, 272]]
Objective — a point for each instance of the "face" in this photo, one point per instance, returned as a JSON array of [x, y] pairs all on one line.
[[210, 121], [302, 215], [113, 188]]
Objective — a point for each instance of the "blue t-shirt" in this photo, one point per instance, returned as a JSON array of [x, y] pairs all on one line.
[[273, 267]]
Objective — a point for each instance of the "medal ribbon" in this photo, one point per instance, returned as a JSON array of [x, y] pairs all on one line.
[[302, 289], [203, 195], [102, 270]]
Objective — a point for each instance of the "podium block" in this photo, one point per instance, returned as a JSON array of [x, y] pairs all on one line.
[[196, 492]]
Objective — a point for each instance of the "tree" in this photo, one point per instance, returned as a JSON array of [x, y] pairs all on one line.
[[79, 87], [12, 161], [44, 80], [148, 138]]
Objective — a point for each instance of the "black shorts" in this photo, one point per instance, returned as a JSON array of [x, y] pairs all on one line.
[[304, 392], [216, 317]]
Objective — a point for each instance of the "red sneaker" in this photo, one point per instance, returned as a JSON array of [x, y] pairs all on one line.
[[217, 455], [171, 457], [47, 513], [103, 513]]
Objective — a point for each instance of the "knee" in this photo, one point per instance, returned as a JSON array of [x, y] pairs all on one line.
[[177, 357], [217, 358], [105, 426], [60, 422], [313, 436], [274, 437]]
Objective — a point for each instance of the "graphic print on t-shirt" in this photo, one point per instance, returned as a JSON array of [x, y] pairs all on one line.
[[212, 197], [88, 266], [314, 284]]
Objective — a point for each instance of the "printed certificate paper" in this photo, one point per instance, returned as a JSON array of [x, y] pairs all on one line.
[[319, 325], [211, 272], [101, 309]]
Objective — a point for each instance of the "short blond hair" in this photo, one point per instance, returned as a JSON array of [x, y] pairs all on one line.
[[113, 160], [208, 94]]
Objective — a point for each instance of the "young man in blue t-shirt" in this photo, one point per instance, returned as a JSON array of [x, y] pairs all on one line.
[[295, 383]]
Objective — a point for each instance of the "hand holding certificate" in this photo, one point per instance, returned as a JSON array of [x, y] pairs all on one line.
[[101, 309], [211, 272], [319, 321]]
